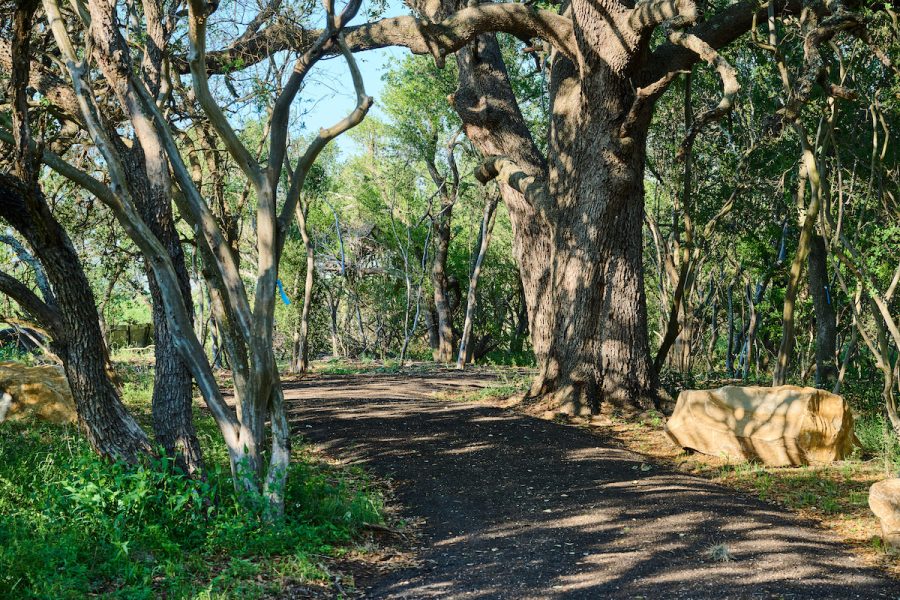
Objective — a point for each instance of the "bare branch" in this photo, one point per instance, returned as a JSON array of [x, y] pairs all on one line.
[[197, 60], [726, 72], [363, 103], [281, 110]]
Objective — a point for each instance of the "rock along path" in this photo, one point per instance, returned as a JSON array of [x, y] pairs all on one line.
[[516, 507]]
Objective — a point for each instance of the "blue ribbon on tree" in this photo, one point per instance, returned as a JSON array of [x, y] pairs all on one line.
[[284, 298]]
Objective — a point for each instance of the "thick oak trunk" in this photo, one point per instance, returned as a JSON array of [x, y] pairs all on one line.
[[599, 352], [581, 262]]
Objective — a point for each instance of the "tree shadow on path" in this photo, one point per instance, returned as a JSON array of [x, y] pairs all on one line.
[[517, 507]]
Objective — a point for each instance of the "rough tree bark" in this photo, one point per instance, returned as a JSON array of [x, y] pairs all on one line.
[[577, 215]]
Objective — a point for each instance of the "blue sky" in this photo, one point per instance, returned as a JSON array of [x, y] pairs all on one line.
[[329, 95]]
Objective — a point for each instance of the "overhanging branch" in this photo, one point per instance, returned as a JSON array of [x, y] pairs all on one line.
[[419, 35]]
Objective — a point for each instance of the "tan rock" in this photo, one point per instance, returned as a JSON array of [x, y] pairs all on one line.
[[40, 392], [884, 500], [780, 426]]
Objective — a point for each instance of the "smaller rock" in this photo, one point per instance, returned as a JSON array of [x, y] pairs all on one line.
[[884, 500]]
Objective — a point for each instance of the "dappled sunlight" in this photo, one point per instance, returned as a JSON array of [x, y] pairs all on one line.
[[523, 508]]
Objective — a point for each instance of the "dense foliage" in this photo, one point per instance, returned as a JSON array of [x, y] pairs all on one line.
[[74, 525]]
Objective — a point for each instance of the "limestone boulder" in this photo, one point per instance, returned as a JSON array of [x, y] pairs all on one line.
[[39, 392], [884, 500], [779, 426]]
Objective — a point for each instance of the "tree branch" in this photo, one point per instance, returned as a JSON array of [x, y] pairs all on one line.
[[363, 103], [720, 30], [419, 35], [499, 167], [48, 317], [197, 21], [726, 72], [281, 110], [649, 14], [25, 256]]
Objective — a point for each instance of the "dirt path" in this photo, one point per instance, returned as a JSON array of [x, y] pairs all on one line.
[[516, 507]]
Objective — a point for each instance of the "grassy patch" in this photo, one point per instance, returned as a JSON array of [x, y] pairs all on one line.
[[72, 525], [341, 366], [509, 383]]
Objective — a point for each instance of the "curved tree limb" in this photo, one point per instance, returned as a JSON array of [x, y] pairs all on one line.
[[649, 14], [419, 35], [26, 257], [726, 72], [122, 205], [197, 20], [718, 31], [42, 312], [281, 110], [363, 103]]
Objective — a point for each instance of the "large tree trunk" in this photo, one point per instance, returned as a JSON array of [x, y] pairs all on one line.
[[582, 272], [68, 309], [826, 318], [600, 351]]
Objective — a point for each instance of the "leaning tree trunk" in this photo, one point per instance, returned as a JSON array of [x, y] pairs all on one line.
[[493, 122], [484, 240], [77, 338], [70, 312]]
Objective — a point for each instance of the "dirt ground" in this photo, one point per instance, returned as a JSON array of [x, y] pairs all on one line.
[[511, 506]]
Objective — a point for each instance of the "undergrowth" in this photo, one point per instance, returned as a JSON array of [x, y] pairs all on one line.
[[73, 525]]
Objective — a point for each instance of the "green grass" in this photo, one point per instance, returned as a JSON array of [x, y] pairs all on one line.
[[341, 366], [72, 525], [508, 384]]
